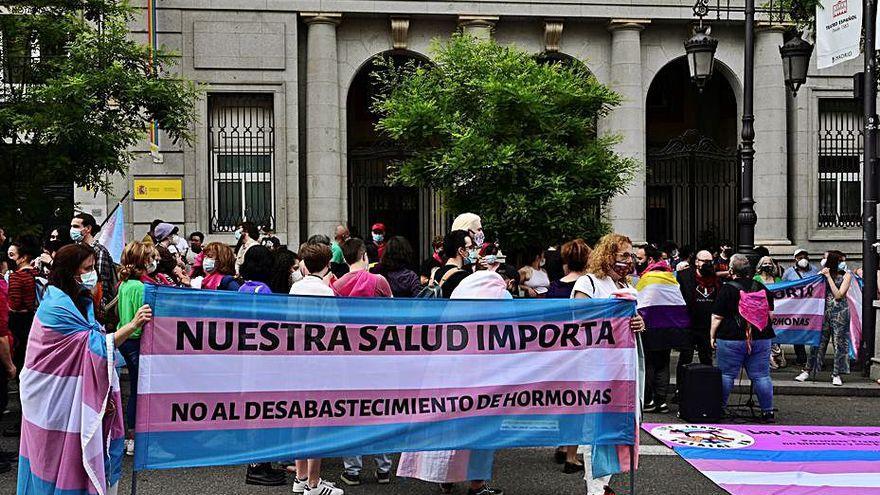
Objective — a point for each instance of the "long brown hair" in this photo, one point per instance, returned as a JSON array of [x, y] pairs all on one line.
[[834, 258], [604, 255], [223, 256], [65, 268], [135, 258]]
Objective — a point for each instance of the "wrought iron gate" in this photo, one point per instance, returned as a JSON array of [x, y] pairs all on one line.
[[692, 191]]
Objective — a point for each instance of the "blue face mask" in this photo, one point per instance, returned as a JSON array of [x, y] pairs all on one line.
[[490, 259], [76, 234], [378, 237], [841, 266], [473, 255], [89, 280], [237, 234]]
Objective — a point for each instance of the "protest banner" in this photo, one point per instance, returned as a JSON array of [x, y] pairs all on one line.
[[799, 310], [228, 378], [779, 460]]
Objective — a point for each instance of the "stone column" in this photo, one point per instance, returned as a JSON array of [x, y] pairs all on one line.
[[627, 211], [477, 26], [324, 173], [771, 148]]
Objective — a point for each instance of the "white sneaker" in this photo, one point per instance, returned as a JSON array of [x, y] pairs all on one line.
[[129, 446], [836, 381], [804, 376], [324, 488], [300, 486]]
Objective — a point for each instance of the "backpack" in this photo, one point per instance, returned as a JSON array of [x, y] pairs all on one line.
[[753, 312], [434, 289]]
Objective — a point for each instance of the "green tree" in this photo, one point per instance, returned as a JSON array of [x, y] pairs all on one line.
[[507, 137], [76, 94]]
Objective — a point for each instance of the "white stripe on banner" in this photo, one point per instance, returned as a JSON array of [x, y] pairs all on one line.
[[807, 306], [868, 480], [236, 373]]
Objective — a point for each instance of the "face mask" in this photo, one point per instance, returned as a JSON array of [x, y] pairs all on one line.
[[490, 259], [479, 238], [841, 266], [378, 238], [295, 276], [641, 266], [623, 268], [822, 263], [76, 234], [153, 266], [804, 263], [471, 257], [707, 270], [208, 264], [543, 262], [175, 239], [195, 248], [728, 252], [237, 234], [89, 280], [767, 268]]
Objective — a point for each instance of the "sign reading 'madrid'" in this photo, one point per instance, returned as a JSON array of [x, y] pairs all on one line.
[[228, 378]]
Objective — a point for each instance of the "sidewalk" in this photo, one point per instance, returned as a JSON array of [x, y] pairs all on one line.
[[854, 384]]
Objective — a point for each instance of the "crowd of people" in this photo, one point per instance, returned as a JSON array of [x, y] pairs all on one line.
[[726, 298]]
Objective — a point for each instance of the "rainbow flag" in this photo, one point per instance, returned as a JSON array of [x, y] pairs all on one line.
[[70, 443], [779, 460], [229, 378], [661, 304], [112, 235]]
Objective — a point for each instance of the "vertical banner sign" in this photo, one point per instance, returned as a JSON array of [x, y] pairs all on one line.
[[228, 378], [838, 31]]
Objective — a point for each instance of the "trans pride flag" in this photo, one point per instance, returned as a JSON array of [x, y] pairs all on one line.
[[70, 443], [112, 235], [229, 378]]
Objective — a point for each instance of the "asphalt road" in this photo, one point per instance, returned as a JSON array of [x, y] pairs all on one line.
[[518, 472]]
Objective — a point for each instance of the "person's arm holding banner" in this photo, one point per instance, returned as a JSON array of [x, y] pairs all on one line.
[[141, 318], [839, 292]]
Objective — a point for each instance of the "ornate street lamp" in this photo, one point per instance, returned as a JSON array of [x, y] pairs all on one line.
[[795, 61], [701, 55]]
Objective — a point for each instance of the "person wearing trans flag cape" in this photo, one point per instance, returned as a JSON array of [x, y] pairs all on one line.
[[72, 431]]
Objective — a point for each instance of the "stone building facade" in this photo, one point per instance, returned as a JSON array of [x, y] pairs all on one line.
[[284, 130]]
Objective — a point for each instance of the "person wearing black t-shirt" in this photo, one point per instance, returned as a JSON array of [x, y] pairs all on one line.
[[739, 343], [462, 254], [436, 260]]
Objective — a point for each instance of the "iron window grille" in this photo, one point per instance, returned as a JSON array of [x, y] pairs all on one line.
[[241, 144], [841, 137]]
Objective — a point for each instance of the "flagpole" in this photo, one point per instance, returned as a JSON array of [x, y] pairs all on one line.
[[118, 204]]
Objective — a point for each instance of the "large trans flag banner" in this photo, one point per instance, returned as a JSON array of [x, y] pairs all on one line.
[[229, 378]]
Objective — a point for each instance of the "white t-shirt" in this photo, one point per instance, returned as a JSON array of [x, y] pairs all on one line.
[[311, 286], [595, 287]]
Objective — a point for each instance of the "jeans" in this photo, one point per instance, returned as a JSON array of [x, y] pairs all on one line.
[[131, 351], [354, 465], [657, 375], [732, 356]]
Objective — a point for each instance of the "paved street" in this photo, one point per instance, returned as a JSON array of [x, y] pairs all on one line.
[[518, 472]]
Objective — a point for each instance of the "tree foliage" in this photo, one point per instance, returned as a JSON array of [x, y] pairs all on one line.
[[507, 137], [78, 93]]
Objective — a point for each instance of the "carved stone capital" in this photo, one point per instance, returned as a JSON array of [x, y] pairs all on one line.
[[399, 32], [552, 34]]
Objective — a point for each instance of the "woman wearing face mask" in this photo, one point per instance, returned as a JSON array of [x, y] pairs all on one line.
[[606, 277], [139, 261], [768, 272], [286, 271], [836, 322], [394, 266], [67, 342], [461, 256], [218, 263], [533, 278], [22, 293]]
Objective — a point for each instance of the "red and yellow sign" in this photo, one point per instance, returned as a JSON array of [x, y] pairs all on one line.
[[158, 189]]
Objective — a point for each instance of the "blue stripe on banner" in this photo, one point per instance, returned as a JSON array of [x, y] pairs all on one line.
[[777, 455], [192, 303], [31, 484], [168, 450], [480, 464], [806, 337], [803, 282]]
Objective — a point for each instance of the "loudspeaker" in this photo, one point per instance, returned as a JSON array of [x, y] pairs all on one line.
[[699, 392]]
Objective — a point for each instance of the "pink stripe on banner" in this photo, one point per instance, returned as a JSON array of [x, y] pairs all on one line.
[[797, 322], [821, 467], [798, 490], [54, 461], [155, 410], [289, 338]]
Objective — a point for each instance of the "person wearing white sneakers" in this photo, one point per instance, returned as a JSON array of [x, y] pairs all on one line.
[[836, 322]]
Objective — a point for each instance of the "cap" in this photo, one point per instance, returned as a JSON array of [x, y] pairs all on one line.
[[378, 226], [799, 251], [162, 231]]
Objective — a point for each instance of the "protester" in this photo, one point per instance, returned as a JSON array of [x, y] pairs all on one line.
[[722, 261], [447, 467], [473, 225], [268, 238], [700, 285], [286, 271], [801, 269], [69, 364], [376, 246], [196, 239], [683, 260], [149, 239], [768, 272], [657, 350], [219, 266], [532, 276], [741, 333], [359, 282], [394, 266], [836, 322], [315, 259], [60, 234], [435, 260], [246, 236], [167, 272], [575, 256], [337, 261], [22, 293], [83, 230], [511, 277], [608, 269], [8, 371], [4, 248], [553, 263], [461, 255]]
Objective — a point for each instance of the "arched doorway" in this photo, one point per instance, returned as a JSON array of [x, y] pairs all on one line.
[[692, 173], [405, 211]]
